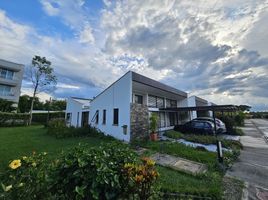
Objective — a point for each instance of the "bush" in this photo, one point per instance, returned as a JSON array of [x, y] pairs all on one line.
[[111, 171], [6, 106], [13, 119], [26, 178], [59, 129], [239, 119]]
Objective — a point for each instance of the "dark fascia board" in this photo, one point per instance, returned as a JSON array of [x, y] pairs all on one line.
[[205, 108], [150, 82]]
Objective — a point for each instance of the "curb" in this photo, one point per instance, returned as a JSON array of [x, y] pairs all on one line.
[[245, 191]]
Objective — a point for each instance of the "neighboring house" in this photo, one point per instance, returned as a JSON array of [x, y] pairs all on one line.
[[124, 108], [11, 75], [194, 101], [77, 111]]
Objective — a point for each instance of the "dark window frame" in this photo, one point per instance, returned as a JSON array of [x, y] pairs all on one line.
[[156, 101], [138, 96], [115, 116], [104, 116]]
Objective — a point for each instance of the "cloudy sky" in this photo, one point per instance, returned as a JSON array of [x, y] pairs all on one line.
[[217, 49]]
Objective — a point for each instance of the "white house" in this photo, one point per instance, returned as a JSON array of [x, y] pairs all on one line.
[[123, 109], [77, 111]]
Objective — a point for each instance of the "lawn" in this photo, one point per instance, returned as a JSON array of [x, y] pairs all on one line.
[[19, 141]]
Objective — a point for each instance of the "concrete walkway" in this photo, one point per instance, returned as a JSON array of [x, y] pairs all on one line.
[[179, 164], [252, 165], [176, 163]]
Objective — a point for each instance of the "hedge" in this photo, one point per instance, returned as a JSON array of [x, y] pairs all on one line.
[[14, 119], [22, 119], [43, 117]]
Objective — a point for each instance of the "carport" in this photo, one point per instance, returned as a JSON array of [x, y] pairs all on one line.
[[214, 108]]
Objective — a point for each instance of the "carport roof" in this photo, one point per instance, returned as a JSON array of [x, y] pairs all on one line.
[[220, 108]]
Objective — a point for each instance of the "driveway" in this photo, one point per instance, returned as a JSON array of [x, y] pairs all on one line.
[[252, 165]]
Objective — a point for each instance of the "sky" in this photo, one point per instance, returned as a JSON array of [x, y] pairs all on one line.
[[215, 49]]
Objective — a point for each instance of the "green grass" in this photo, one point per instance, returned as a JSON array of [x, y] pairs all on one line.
[[181, 150], [179, 182], [19, 141]]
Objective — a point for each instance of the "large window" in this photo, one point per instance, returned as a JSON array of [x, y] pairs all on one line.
[[171, 103], [162, 119], [5, 90], [138, 99], [154, 101], [104, 117], [7, 74], [116, 116]]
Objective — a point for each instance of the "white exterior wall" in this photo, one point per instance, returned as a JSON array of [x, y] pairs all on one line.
[[74, 107], [118, 95], [192, 103]]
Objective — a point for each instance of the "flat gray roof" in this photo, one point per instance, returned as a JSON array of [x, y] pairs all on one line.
[[156, 84]]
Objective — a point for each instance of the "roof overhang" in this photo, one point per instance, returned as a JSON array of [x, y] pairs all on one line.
[[217, 108]]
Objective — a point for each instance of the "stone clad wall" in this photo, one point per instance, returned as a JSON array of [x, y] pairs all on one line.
[[139, 121]]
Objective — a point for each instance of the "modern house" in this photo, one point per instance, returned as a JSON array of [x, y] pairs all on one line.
[[11, 75], [77, 111], [123, 109]]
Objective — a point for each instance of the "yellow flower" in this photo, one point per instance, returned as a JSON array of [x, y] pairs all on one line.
[[15, 164], [34, 164], [8, 188]]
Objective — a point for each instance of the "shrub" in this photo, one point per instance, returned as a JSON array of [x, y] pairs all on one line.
[[80, 173], [13, 119], [239, 119], [59, 129], [6, 106], [25, 178], [91, 173]]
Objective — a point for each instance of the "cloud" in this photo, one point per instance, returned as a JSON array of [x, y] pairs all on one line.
[[200, 44], [215, 49], [73, 14]]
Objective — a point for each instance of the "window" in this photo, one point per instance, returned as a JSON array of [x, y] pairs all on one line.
[[77, 123], [104, 117], [171, 103], [5, 90], [162, 120], [172, 118], [69, 117], [116, 113], [7, 74], [138, 99], [97, 117], [154, 101]]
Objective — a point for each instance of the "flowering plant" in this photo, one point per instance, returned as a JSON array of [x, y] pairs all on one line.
[[141, 178]]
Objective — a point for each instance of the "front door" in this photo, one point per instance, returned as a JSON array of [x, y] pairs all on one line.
[[85, 116]]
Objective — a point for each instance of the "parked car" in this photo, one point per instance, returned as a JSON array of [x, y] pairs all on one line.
[[221, 128], [197, 127]]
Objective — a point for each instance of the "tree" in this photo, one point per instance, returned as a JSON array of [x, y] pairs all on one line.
[[43, 78], [24, 105], [6, 106]]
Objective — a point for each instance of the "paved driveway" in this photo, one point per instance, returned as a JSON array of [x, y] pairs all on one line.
[[252, 165]]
